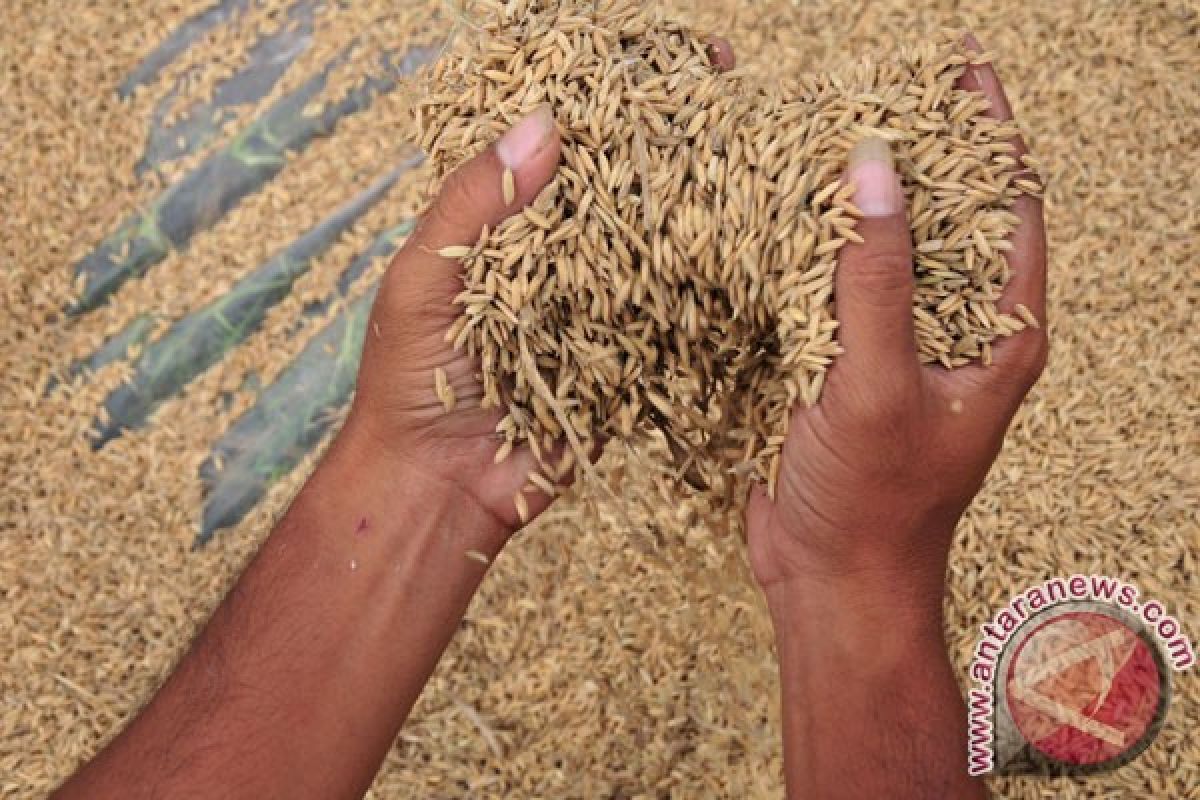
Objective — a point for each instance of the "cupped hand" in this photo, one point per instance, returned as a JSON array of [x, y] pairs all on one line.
[[875, 476], [397, 402], [397, 408]]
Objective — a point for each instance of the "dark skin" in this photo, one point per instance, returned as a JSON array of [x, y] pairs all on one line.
[[301, 680], [852, 553]]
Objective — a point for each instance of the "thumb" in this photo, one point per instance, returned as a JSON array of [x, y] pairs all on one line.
[[480, 193], [874, 280]]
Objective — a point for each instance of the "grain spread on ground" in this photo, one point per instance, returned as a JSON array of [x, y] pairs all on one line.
[[598, 660]]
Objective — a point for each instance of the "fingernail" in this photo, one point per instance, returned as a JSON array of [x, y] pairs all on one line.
[[876, 190], [525, 138]]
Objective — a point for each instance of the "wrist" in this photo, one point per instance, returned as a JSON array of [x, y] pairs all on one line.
[[359, 461], [352, 598], [856, 613], [897, 564], [871, 704], [863, 651]]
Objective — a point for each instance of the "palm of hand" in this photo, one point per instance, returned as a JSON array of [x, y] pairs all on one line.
[[406, 344]]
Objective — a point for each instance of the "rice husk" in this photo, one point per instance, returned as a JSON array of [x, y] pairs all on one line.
[[598, 660], [677, 275]]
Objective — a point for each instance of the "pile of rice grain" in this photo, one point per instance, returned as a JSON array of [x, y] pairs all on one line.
[[678, 272]]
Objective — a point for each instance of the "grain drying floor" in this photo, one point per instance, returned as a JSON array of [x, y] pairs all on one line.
[[597, 661]]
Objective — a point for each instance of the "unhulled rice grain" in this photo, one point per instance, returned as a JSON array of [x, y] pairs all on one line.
[[677, 274]]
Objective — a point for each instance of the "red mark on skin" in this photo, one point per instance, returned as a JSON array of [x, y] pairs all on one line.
[[361, 530]]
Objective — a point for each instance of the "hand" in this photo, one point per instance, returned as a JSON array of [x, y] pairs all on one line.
[[876, 475], [396, 407], [397, 404]]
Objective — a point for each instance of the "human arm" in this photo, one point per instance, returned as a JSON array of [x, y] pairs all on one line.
[[300, 681], [305, 673], [852, 552]]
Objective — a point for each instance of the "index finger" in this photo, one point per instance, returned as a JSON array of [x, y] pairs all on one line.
[[1027, 258]]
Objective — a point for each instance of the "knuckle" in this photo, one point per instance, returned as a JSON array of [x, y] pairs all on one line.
[[879, 421], [458, 194], [884, 405], [409, 296], [886, 272]]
